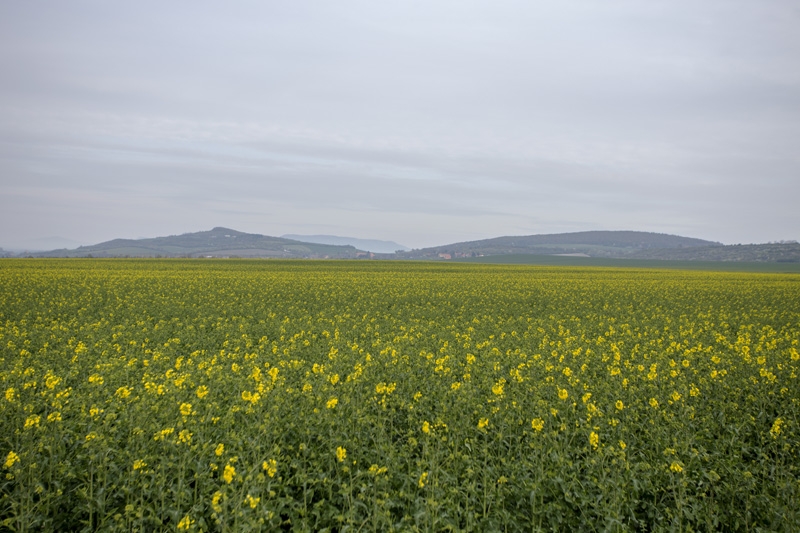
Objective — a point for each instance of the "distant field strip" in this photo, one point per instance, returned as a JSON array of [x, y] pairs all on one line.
[[239, 395], [563, 260]]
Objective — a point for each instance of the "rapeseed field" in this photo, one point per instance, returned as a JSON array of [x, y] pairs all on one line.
[[189, 395]]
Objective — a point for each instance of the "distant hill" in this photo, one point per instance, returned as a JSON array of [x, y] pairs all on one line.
[[219, 242], [612, 244], [638, 245], [371, 245]]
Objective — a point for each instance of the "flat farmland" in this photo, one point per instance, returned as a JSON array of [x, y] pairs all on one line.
[[230, 395]]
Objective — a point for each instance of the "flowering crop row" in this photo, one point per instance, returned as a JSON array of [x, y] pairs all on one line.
[[239, 395]]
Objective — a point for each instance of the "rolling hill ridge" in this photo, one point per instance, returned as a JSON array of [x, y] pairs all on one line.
[[613, 244], [218, 242], [225, 242]]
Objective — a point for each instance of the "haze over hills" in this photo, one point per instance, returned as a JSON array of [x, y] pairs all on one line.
[[613, 245], [218, 242], [40, 245], [370, 245], [224, 242], [588, 243]]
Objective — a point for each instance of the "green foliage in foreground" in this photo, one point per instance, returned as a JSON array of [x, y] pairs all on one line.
[[345, 396]]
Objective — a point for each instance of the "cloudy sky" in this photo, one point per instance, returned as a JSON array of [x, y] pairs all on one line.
[[422, 122]]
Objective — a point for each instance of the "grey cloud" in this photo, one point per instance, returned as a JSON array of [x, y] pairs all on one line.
[[422, 122]]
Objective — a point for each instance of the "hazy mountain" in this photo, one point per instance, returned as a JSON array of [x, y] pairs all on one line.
[[219, 242], [372, 245], [589, 243], [224, 242]]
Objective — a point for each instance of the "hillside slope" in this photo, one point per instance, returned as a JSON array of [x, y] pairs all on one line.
[[590, 243], [769, 253], [218, 242]]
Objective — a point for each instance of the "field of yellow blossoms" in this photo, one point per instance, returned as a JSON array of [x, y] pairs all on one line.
[[191, 395]]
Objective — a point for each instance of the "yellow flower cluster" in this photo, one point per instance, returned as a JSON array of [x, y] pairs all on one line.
[[11, 459], [270, 467], [341, 454]]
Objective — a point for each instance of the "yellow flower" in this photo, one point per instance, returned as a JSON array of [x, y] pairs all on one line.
[[376, 470], [166, 432], [201, 391], [252, 397], [497, 388], [776, 428], [332, 403], [563, 394], [229, 473], [537, 424], [619, 405], [185, 436], [10, 394], [482, 423], [622, 445], [426, 427], [123, 392], [11, 459], [334, 379], [252, 502], [341, 454], [586, 397], [271, 467], [676, 396], [653, 403], [220, 449], [422, 479], [215, 502], [185, 523], [32, 421], [676, 467], [96, 379], [186, 409], [594, 439], [54, 417], [138, 464]]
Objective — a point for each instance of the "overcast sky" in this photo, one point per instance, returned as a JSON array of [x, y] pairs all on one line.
[[423, 122]]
